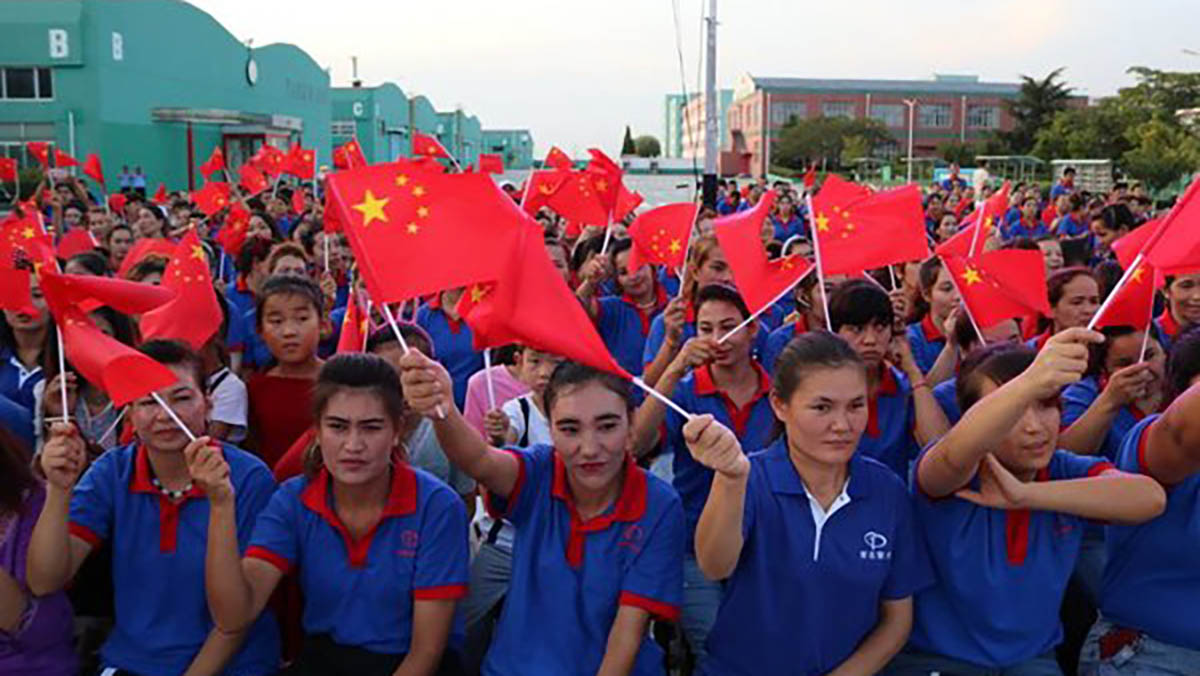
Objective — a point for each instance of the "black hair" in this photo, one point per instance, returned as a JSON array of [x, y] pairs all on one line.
[[618, 245], [414, 335], [1098, 352], [1108, 273], [116, 227], [16, 477], [859, 303], [569, 374], [93, 263], [288, 285], [255, 250], [721, 293], [177, 353], [585, 249], [146, 267], [1116, 217], [1183, 364], [996, 364], [927, 276], [808, 352], [354, 371], [1022, 243]]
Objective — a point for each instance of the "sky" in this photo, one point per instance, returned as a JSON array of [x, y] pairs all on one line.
[[575, 72]]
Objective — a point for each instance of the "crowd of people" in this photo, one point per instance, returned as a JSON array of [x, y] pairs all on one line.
[[866, 482]]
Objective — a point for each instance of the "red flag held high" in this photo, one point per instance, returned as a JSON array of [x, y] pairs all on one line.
[[760, 281], [354, 328], [160, 195], [252, 180], [606, 178], [542, 186], [870, 232], [428, 146], [660, 236], [1128, 247], [143, 249], [577, 200], [214, 163], [417, 231], [40, 150], [62, 160], [530, 304], [212, 197], [557, 159], [1175, 245], [269, 160], [298, 204], [232, 236], [627, 201], [76, 241], [349, 156], [300, 162], [329, 216], [8, 169], [24, 242], [116, 202], [92, 168], [1134, 303], [1000, 285], [194, 316], [992, 212], [810, 177], [491, 163]]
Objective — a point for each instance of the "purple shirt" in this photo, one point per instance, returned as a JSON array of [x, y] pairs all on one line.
[[42, 644]]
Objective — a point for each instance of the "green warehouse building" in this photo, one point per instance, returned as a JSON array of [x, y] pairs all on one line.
[[106, 77], [515, 146]]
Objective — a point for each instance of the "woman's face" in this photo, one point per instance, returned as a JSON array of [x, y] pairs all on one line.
[[871, 341], [1031, 441], [589, 425], [293, 266], [1079, 302], [559, 258], [1052, 254], [1183, 298], [826, 415], [1104, 235], [290, 328], [714, 270], [636, 284], [21, 321], [119, 244], [943, 297], [147, 225], [717, 318], [154, 426], [259, 228], [947, 227], [1127, 350], [357, 436]]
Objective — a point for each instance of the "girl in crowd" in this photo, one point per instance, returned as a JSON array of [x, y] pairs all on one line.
[[505, 383], [1074, 298], [523, 421], [1108, 225], [22, 339], [903, 415], [809, 316], [966, 341], [1052, 254], [286, 259], [1183, 306], [598, 540], [722, 379], [774, 511], [1152, 578], [289, 321], [452, 339], [150, 222], [947, 227], [118, 242], [380, 547], [142, 500], [35, 632], [927, 336], [623, 320], [88, 263], [1002, 511]]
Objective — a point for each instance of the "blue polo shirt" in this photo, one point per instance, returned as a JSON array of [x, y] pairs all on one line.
[[17, 421], [789, 228], [1069, 227], [668, 281], [1001, 574], [1060, 189], [361, 592], [16, 381], [828, 578], [927, 342], [452, 342], [778, 339], [946, 393], [1078, 397], [623, 326], [1152, 580], [754, 425], [158, 549], [892, 418], [569, 576], [658, 334], [1022, 229]]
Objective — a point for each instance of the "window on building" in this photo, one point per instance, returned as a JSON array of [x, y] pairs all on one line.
[[890, 114], [26, 83], [342, 128], [934, 115], [837, 109], [784, 111], [983, 117], [888, 150], [14, 136]]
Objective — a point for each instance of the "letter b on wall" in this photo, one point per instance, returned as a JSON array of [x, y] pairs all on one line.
[[60, 47]]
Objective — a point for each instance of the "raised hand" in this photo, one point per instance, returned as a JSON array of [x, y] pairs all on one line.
[[998, 488], [208, 469], [1062, 361], [64, 456], [427, 386], [495, 423], [715, 446]]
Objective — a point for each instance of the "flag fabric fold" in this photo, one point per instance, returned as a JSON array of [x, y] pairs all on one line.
[[660, 236], [349, 156], [354, 328], [211, 197], [872, 231], [92, 168], [194, 315], [1000, 285], [557, 159], [760, 281], [425, 145], [214, 163], [1133, 304], [491, 163]]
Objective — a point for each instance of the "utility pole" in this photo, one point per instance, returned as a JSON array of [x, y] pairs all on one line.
[[711, 124], [912, 105]]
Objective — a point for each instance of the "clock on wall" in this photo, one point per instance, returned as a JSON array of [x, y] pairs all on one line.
[[251, 71]]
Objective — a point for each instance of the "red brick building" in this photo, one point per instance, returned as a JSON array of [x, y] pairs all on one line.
[[946, 108]]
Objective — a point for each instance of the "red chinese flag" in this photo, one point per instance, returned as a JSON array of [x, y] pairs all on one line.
[[810, 177], [300, 162], [92, 168], [1000, 285], [76, 241], [212, 197], [541, 187], [627, 201], [660, 236], [8, 169], [232, 236], [606, 178], [760, 281], [1175, 245], [298, 204], [90, 291], [40, 151], [194, 316], [116, 203], [143, 249], [870, 232], [425, 145], [329, 216], [557, 159], [349, 156], [252, 180], [577, 200], [24, 242], [490, 163], [214, 163], [122, 372], [354, 329], [1133, 305], [530, 304], [417, 231], [992, 212], [269, 160], [62, 160], [1128, 247], [160, 195]]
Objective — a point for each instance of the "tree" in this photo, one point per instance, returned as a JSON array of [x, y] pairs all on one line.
[[1162, 152], [964, 154], [1036, 104], [836, 140], [627, 147], [647, 146]]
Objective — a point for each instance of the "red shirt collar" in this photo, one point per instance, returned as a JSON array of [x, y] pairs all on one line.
[[704, 385], [929, 329], [402, 500], [801, 323], [630, 506], [888, 387], [1167, 323], [660, 301], [1040, 340], [1016, 528], [142, 473]]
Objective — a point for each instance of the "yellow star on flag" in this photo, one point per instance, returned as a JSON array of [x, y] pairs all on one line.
[[198, 253], [401, 180], [601, 185], [423, 212], [478, 293], [28, 233], [545, 189], [823, 222], [412, 228], [418, 191], [372, 209], [971, 276], [676, 246], [1138, 274]]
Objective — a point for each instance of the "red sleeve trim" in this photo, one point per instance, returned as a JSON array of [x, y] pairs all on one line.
[[443, 593], [658, 609], [264, 554], [1100, 468], [1143, 443], [84, 533], [494, 511]]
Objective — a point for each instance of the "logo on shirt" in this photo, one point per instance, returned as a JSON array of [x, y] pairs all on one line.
[[632, 538], [409, 540], [876, 547]]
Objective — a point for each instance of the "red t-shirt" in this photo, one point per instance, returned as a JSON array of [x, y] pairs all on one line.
[[280, 411]]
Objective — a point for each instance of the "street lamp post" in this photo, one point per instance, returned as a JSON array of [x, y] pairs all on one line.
[[912, 106]]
